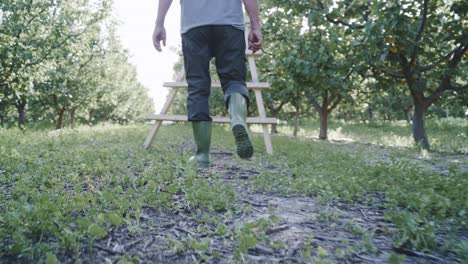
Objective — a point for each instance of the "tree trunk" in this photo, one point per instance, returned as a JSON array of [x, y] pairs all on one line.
[[21, 108], [371, 113], [60, 118], [407, 115], [296, 123], [274, 111], [419, 126], [274, 127], [329, 103], [72, 118], [323, 124], [90, 117]]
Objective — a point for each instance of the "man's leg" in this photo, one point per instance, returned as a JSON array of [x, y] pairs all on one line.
[[229, 51], [197, 55]]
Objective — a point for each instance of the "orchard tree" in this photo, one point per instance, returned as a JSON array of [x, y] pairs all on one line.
[[312, 56], [421, 42], [24, 39], [31, 32], [63, 58]]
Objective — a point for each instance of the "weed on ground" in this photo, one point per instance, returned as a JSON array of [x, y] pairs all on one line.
[[94, 195]]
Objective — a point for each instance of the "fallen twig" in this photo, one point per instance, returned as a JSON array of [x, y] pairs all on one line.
[[322, 238], [365, 258], [277, 229], [363, 213], [411, 252], [309, 224], [184, 230], [168, 225], [262, 250], [262, 259], [108, 250], [148, 243], [131, 244], [147, 218], [255, 203]]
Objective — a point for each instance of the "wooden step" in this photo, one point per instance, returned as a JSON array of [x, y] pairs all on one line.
[[250, 85], [216, 119]]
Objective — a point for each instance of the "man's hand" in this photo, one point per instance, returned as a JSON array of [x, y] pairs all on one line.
[[255, 40], [159, 35], [255, 36]]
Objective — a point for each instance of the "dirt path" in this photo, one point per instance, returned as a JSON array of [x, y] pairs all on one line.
[[341, 233]]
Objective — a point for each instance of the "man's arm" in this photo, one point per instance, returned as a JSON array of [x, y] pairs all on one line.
[[159, 33], [255, 35]]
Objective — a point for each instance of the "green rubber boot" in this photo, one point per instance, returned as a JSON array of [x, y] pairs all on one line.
[[238, 112], [202, 136]]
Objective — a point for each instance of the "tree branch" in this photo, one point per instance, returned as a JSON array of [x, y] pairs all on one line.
[[325, 100], [349, 74], [339, 21], [313, 100], [367, 13], [280, 106], [445, 82], [49, 51], [438, 61], [394, 75], [335, 103], [458, 88], [420, 31]]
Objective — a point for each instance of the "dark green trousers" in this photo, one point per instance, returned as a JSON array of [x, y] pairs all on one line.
[[199, 45]]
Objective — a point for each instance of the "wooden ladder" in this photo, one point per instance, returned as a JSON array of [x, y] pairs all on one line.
[[255, 85]]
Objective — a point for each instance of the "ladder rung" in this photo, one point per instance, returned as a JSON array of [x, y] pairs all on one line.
[[247, 52], [250, 85], [216, 119]]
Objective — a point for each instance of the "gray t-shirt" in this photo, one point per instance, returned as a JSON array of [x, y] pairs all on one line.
[[197, 13]]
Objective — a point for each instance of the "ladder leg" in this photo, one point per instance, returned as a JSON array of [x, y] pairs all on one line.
[[260, 106], [157, 125], [170, 98], [152, 134], [266, 136], [266, 133]]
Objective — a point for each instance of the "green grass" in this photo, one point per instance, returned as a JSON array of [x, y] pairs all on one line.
[[419, 202], [68, 186], [445, 135], [65, 189]]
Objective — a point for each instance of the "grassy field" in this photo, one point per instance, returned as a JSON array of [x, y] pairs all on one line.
[[94, 195]]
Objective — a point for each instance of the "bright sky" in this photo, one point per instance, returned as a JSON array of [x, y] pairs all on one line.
[[137, 23]]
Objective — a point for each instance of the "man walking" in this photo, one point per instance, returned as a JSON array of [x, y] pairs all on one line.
[[214, 28]]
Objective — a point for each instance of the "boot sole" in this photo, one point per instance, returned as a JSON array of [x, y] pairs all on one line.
[[244, 145]]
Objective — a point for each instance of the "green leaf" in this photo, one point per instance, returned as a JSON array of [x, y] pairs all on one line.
[[396, 259], [321, 252], [101, 218], [275, 219], [51, 258], [115, 219], [249, 241], [97, 231]]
